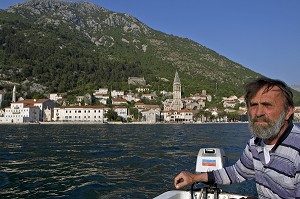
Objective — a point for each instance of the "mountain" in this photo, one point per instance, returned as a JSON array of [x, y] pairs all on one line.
[[296, 87], [79, 46]]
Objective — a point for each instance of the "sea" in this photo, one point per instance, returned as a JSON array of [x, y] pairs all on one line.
[[109, 160]]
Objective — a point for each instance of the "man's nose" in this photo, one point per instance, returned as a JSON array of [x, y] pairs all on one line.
[[259, 111]]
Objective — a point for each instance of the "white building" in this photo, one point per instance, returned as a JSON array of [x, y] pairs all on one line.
[[141, 90], [117, 94], [79, 113], [297, 114], [151, 115], [131, 97], [122, 111], [29, 110], [21, 113], [101, 94], [55, 97], [101, 91], [183, 115]]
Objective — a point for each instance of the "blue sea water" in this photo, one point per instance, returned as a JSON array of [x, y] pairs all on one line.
[[108, 161]]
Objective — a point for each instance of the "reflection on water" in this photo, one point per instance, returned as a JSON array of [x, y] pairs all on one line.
[[108, 161]]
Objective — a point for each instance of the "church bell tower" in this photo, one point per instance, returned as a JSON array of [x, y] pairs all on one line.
[[176, 103]]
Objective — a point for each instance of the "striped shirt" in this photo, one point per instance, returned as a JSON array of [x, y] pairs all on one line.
[[280, 178]]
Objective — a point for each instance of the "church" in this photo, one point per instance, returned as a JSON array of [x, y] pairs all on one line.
[[174, 110], [176, 104]]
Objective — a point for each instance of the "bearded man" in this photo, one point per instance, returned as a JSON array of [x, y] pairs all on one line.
[[271, 156]]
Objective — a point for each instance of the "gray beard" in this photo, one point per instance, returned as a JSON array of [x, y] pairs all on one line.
[[267, 132]]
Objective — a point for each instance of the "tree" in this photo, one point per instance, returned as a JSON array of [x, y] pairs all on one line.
[[233, 116], [111, 115], [199, 115], [135, 112], [207, 114]]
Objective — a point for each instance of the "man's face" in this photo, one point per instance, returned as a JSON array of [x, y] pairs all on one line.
[[267, 113]]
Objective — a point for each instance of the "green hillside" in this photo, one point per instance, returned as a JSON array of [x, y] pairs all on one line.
[[77, 47]]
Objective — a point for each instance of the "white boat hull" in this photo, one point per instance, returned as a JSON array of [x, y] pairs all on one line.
[[177, 194]]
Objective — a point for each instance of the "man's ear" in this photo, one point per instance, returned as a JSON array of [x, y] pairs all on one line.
[[289, 113]]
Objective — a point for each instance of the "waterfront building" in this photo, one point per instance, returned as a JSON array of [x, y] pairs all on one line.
[[150, 115], [20, 112], [42, 104], [184, 115], [122, 111], [48, 115], [79, 113], [29, 110]]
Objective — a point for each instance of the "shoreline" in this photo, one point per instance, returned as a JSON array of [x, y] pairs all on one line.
[[121, 123]]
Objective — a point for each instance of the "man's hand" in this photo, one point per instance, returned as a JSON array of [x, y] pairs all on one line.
[[185, 178]]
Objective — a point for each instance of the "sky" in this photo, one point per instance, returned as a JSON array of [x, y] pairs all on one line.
[[263, 36]]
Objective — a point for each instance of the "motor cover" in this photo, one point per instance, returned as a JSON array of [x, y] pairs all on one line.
[[209, 159]]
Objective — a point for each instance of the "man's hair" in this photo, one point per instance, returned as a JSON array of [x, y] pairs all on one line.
[[254, 86]]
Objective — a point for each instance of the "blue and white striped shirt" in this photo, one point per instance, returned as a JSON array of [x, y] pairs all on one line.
[[280, 178]]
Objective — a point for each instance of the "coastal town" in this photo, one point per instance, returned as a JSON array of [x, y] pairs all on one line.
[[114, 107]]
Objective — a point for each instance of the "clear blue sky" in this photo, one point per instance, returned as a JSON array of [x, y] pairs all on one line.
[[263, 36]]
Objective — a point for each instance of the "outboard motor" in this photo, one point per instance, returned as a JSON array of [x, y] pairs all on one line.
[[209, 159]]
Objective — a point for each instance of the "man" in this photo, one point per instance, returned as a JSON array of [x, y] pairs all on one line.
[[271, 156]]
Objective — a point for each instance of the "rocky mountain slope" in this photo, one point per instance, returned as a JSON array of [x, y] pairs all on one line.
[[79, 46]]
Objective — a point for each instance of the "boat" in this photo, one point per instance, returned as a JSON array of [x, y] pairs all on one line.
[[178, 194], [208, 159]]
